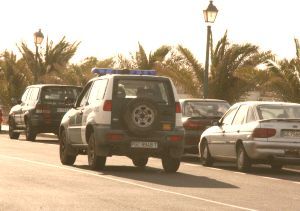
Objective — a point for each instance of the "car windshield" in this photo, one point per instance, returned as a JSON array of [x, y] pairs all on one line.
[[59, 94], [269, 111], [159, 91], [204, 109]]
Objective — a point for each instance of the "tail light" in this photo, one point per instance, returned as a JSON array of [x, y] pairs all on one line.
[[178, 107], [194, 125], [107, 105], [175, 138], [114, 137], [263, 132], [42, 109]]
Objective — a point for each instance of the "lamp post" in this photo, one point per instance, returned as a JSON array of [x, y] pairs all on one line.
[[210, 15], [38, 39]]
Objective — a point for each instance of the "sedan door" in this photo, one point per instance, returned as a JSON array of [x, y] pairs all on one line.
[[218, 140]]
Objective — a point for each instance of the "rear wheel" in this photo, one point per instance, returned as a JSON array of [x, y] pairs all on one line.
[[140, 161], [11, 128], [95, 162], [65, 157], [242, 162], [170, 164], [29, 132], [206, 158]]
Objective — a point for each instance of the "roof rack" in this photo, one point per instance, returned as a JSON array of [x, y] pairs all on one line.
[[105, 71]]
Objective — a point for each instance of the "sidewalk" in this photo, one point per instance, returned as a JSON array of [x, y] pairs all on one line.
[[4, 129]]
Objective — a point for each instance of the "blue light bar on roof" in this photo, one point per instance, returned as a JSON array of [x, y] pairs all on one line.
[[104, 71]]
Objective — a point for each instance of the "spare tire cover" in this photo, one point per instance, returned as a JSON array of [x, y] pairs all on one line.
[[141, 116]]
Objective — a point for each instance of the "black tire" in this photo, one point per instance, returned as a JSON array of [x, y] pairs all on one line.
[[65, 157], [141, 116], [276, 166], [243, 162], [95, 162], [140, 161], [11, 128], [29, 132], [170, 164], [206, 158]]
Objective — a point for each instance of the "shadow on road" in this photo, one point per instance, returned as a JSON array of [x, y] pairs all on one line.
[[287, 173], [158, 176]]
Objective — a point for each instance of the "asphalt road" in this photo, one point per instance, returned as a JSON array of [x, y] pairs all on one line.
[[32, 178]]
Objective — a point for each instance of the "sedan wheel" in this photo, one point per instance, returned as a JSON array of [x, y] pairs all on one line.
[[205, 156], [95, 162], [243, 162]]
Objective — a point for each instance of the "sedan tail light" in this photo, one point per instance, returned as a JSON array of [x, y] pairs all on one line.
[[263, 132], [178, 107], [194, 125]]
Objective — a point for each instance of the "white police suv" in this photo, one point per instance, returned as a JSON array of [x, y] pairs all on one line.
[[129, 113]]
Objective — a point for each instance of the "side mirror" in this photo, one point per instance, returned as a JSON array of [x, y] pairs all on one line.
[[217, 123]]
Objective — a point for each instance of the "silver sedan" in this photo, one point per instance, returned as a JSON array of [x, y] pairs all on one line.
[[254, 132]]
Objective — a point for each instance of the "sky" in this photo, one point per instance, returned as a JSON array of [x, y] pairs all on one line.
[[110, 27]]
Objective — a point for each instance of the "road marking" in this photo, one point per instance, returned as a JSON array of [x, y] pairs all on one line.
[[126, 182], [188, 164], [271, 178], [298, 183], [236, 172], [214, 168]]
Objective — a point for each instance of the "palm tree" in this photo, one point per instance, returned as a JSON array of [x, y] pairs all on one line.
[[13, 78], [54, 61], [185, 71], [80, 73], [284, 77], [141, 61], [233, 69]]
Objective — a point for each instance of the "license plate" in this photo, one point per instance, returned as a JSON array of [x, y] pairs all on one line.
[[138, 144], [60, 110], [291, 133]]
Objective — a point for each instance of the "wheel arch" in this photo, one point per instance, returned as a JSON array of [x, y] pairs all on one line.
[[88, 131], [201, 143]]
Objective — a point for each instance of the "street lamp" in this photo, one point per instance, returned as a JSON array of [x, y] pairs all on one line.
[[38, 39], [210, 15]]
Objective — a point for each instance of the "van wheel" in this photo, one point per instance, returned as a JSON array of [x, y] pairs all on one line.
[[243, 161], [170, 164], [140, 161], [95, 162], [65, 157], [11, 128], [29, 132]]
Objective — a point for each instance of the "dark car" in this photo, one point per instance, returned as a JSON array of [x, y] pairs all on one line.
[[41, 109], [197, 115]]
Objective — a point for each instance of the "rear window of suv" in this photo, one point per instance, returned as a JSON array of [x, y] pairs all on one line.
[[59, 94], [159, 91]]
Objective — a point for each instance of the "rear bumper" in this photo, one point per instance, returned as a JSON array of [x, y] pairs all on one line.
[[45, 125], [286, 153], [107, 147], [191, 141]]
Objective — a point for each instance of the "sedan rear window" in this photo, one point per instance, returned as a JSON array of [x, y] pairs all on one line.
[[278, 111], [207, 109]]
